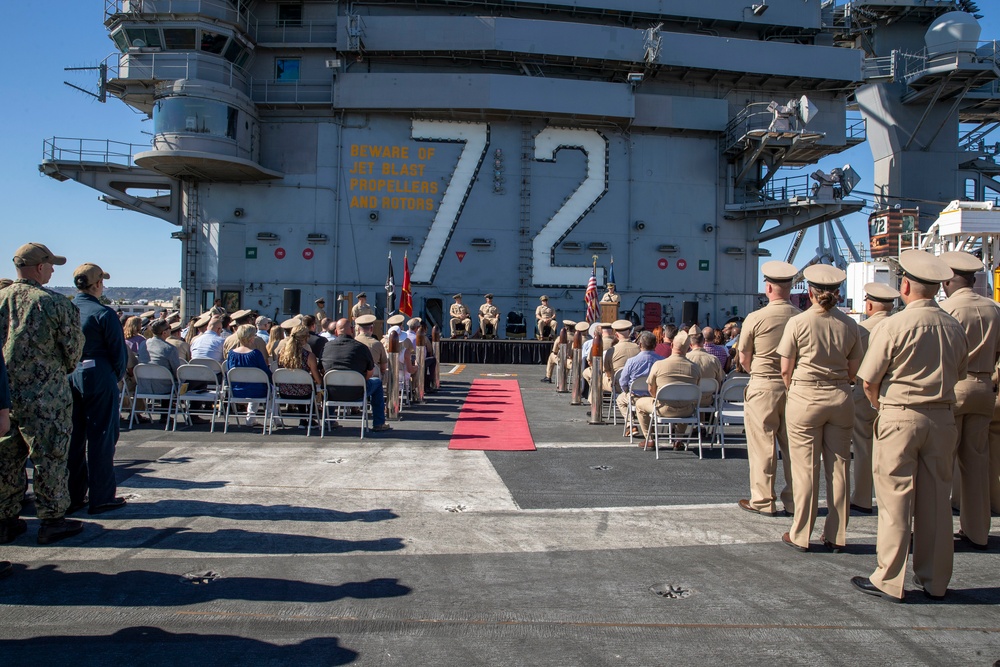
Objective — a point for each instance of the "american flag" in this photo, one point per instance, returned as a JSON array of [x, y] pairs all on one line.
[[590, 297]]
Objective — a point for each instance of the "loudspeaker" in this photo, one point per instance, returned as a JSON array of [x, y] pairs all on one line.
[[292, 301], [690, 312]]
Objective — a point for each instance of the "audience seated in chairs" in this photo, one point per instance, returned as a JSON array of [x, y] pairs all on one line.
[[296, 353], [346, 354], [246, 355]]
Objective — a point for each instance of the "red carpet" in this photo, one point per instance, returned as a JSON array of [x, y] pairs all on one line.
[[492, 418]]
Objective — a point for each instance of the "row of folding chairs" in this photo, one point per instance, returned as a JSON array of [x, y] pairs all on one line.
[[344, 399], [725, 409]]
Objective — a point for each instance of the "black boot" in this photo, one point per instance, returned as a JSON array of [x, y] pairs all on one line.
[[53, 530], [11, 528]]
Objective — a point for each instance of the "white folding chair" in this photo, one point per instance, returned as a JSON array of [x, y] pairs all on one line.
[[247, 375], [190, 374], [296, 376], [342, 391], [123, 395], [149, 377], [609, 405], [215, 366], [639, 384], [706, 413], [730, 406], [676, 392]]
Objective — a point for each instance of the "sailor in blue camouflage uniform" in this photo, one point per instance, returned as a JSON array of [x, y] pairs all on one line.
[[95, 397], [41, 340]]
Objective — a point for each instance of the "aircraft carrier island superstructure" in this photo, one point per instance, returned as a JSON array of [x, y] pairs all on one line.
[[503, 145]]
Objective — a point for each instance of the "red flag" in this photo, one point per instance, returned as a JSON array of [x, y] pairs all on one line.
[[405, 299], [590, 297]]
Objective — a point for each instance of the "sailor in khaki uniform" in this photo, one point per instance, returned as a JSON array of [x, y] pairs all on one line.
[[553, 360], [913, 362], [765, 395], [544, 317], [622, 350], [366, 327], [610, 296], [820, 353], [459, 317], [489, 316], [974, 396], [674, 368], [879, 301], [320, 309], [361, 307]]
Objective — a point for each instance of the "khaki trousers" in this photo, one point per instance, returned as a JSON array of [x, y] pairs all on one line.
[[971, 485], [861, 445], [912, 462], [820, 419], [764, 419], [644, 411], [995, 459]]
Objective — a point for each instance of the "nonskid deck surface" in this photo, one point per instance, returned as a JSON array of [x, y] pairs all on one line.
[[396, 551]]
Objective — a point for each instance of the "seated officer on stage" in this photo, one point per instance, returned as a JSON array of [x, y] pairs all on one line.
[[460, 319], [545, 319], [489, 316]]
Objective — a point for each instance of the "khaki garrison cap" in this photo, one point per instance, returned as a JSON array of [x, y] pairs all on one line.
[[33, 254], [395, 320], [582, 327], [569, 324], [824, 275], [291, 323], [93, 273], [778, 271], [203, 320], [680, 339], [240, 314], [694, 329], [366, 320], [924, 267], [962, 262], [621, 325], [880, 292]]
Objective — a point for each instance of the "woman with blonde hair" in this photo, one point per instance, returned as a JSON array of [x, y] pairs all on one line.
[[134, 340], [820, 355], [275, 335], [296, 353], [245, 355]]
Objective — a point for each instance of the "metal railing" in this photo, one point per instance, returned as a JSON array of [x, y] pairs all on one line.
[[174, 65], [291, 92], [236, 12], [757, 118], [90, 151], [913, 64], [300, 33]]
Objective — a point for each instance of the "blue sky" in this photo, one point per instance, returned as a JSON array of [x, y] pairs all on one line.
[[135, 249]]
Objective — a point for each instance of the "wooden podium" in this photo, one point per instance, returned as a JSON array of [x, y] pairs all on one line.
[[609, 312]]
